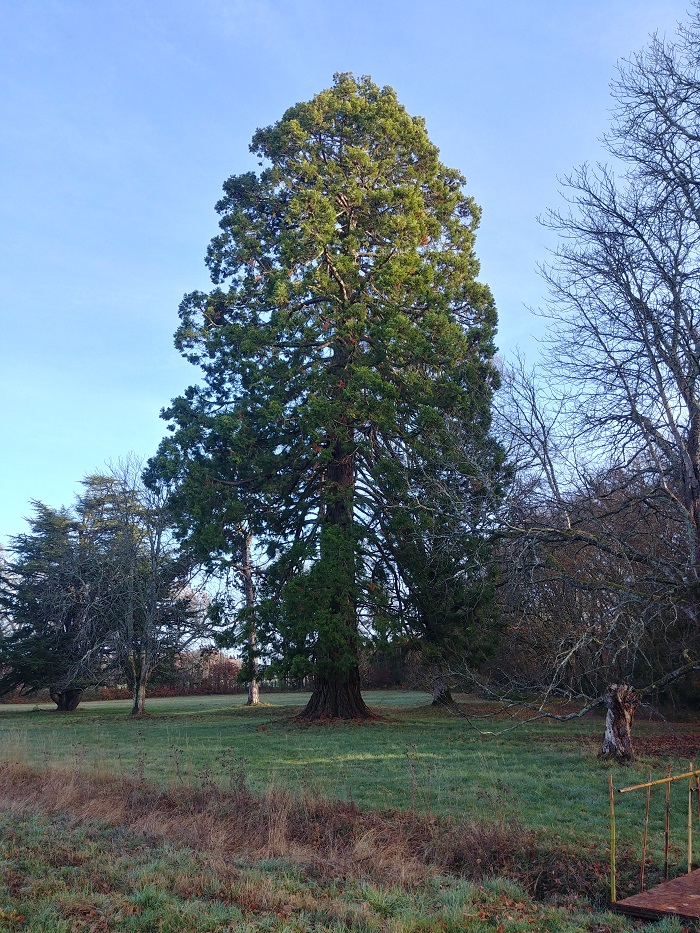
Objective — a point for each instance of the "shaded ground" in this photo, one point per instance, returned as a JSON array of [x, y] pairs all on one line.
[[653, 735]]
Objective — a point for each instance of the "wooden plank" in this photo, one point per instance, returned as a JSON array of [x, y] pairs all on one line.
[[680, 898]]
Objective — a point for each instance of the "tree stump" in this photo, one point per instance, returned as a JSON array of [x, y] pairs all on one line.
[[621, 702], [442, 695]]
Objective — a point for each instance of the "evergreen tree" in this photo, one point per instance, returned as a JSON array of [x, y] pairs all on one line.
[[51, 592], [346, 339], [96, 593]]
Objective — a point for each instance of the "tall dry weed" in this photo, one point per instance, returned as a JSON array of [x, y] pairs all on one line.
[[329, 839]]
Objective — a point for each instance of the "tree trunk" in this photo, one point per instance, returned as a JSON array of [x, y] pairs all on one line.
[[334, 699], [138, 707], [141, 672], [621, 702], [249, 588], [253, 692], [442, 695], [336, 693], [66, 700]]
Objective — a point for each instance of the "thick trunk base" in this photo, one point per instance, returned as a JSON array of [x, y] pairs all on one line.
[[334, 700], [621, 702], [66, 700]]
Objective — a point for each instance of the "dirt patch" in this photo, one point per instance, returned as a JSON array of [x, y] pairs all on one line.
[[669, 744], [676, 744]]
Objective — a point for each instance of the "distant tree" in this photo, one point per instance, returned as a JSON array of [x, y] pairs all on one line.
[[6, 623], [97, 593], [347, 333], [435, 559], [154, 609], [52, 589], [212, 523]]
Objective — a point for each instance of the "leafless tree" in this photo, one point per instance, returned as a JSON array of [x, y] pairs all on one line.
[[156, 606], [603, 527]]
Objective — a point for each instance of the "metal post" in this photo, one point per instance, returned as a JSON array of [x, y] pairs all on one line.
[[613, 885], [646, 830], [667, 827], [690, 822]]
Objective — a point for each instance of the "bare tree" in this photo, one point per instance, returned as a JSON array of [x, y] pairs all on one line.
[[625, 286], [156, 607], [603, 543]]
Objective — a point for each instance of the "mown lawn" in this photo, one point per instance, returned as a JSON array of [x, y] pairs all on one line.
[[541, 777], [413, 757]]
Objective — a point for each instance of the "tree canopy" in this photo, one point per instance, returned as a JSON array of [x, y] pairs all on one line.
[[48, 593], [346, 356]]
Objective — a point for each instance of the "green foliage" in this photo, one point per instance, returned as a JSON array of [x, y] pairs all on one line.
[[345, 348], [94, 593], [48, 592]]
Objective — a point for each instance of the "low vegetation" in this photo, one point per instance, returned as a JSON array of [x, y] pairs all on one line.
[[209, 816]]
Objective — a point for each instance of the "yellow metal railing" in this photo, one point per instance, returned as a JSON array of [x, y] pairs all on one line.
[[693, 777]]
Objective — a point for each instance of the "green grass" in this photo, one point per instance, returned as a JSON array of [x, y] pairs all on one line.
[[56, 877], [543, 776], [546, 774]]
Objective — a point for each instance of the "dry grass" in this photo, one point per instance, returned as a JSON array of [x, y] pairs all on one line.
[[326, 839]]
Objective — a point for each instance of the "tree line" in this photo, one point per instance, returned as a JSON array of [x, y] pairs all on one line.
[[355, 467]]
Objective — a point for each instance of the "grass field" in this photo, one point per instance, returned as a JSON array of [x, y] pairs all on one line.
[[79, 852]]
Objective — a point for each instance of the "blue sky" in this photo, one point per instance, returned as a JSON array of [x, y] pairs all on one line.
[[120, 121]]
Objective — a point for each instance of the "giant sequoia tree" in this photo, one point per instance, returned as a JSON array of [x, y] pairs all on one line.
[[345, 345]]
